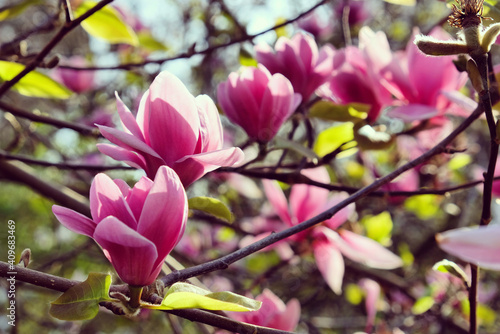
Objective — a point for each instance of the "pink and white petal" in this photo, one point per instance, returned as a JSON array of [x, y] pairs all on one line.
[[277, 198], [106, 199], [128, 119], [164, 214], [192, 167], [173, 118], [479, 246], [211, 134], [340, 217], [133, 256], [127, 141], [122, 154], [137, 196], [413, 112], [290, 318], [330, 263], [74, 221], [372, 294], [307, 200], [367, 251], [124, 187]]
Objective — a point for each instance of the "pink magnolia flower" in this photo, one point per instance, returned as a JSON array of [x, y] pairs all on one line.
[[478, 245], [372, 295], [137, 227], [307, 201], [258, 101], [273, 313], [78, 81], [172, 128], [299, 60], [423, 81]]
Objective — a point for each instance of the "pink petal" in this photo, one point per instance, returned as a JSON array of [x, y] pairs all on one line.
[[211, 134], [290, 317], [122, 154], [372, 294], [367, 251], [74, 221], [340, 217], [307, 200], [127, 141], [330, 263], [137, 196], [479, 246], [106, 199], [133, 256], [277, 198], [413, 112], [192, 167], [164, 213], [128, 120], [173, 118]]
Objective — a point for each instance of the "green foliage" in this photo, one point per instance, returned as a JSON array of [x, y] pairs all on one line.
[[422, 305], [328, 110], [424, 206], [106, 24], [34, 84], [283, 143], [184, 295], [246, 58], [81, 302], [459, 161], [368, 138], [353, 294], [10, 12], [211, 206], [332, 138], [447, 266], [379, 227]]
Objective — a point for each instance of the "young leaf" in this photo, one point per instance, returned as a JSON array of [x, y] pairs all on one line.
[[422, 305], [81, 302], [447, 266], [370, 139], [285, 143], [10, 12], [339, 112], [332, 138], [183, 295], [106, 24], [379, 227], [33, 84], [211, 206]]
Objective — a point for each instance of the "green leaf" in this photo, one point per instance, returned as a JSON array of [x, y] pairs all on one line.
[[459, 161], [422, 305], [486, 315], [211, 206], [183, 295], [379, 227], [370, 139], [246, 58], [33, 84], [402, 2], [81, 301], [405, 254], [339, 112], [332, 138], [10, 12], [148, 42], [353, 294], [447, 266], [284, 143], [106, 24], [424, 206]]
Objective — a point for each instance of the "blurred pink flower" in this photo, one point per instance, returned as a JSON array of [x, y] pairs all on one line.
[[78, 81], [422, 81], [136, 228], [372, 295], [314, 24], [172, 128], [299, 60], [358, 11], [307, 201], [258, 101], [478, 245], [273, 313]]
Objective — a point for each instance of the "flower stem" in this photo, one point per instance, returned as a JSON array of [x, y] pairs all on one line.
[[135, 296]]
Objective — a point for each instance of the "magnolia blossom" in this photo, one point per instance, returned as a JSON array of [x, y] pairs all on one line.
[[172, 128], [257, 101], [478, 245], [136, 227], [78, 81], [299, 60], [422, 82], [273, 313], [328, 245]]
